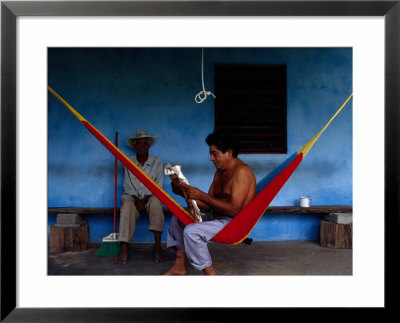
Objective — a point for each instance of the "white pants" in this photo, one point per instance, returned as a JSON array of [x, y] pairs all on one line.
[[193, 238]]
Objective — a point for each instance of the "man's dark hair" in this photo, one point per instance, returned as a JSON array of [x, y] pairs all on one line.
[[224, 141]]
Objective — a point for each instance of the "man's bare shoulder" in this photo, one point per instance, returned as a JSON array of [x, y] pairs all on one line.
[[244, 169]]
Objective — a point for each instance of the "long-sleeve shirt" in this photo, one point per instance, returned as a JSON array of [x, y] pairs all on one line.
[[153, 167]]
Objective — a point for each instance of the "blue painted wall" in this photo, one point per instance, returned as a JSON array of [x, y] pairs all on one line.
[[154, 88]]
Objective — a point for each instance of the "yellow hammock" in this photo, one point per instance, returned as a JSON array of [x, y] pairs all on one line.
[[242, 224]]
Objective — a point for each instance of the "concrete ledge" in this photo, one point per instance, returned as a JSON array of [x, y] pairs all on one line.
[[339, 218], [68, 218]]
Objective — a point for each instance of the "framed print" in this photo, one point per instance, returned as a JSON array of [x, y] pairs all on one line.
[[12, 152]]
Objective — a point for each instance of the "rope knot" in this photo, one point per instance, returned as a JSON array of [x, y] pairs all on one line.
[[202, 95]]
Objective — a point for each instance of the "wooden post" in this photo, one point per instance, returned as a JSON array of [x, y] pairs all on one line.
[[69, 238], [336, 235]]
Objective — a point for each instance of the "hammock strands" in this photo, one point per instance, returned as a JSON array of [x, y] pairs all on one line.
[[173, 206], [242, 224], [267, 188]]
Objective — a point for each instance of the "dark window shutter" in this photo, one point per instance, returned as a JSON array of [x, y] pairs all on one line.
[[251, 103]]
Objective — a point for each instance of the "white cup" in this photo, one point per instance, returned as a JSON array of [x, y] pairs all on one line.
[[305, 201]]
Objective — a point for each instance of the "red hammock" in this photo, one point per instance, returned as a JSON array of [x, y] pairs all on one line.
[[242, 224]]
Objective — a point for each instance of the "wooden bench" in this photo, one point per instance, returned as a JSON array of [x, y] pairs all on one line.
[[318, 209], [332, 235]]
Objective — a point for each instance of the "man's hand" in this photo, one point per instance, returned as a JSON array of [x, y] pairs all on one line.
[[177, 186], [141, 203], [192, 193]]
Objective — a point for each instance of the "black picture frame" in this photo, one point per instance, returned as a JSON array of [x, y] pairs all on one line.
[[10, 10]]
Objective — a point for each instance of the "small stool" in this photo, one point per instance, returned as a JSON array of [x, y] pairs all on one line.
[[336, 231], [70, 233]]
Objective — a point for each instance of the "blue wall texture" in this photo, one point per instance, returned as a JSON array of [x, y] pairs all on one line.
[[125, 89]]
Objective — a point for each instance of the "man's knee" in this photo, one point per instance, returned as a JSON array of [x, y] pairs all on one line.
[[127, 208], [154, 209], [192, 232], [154, 203]]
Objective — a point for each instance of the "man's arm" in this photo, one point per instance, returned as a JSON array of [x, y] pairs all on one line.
[[129, 187], [158, 178], [159, 172], [179, 188], [202, 205], [242, 183]]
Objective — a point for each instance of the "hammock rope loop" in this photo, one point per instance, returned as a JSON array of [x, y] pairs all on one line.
[[202, 95]]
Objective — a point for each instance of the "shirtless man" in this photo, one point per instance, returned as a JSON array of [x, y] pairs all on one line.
[[233, 187]]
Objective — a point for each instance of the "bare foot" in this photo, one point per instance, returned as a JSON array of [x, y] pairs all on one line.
[[209, 271], [175, 270], [123, 254], [178, 268], [158, 255]]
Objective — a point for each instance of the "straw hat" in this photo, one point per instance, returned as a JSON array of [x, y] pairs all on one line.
[[139, 135]]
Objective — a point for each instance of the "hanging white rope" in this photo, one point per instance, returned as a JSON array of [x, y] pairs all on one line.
[[202, 95]]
